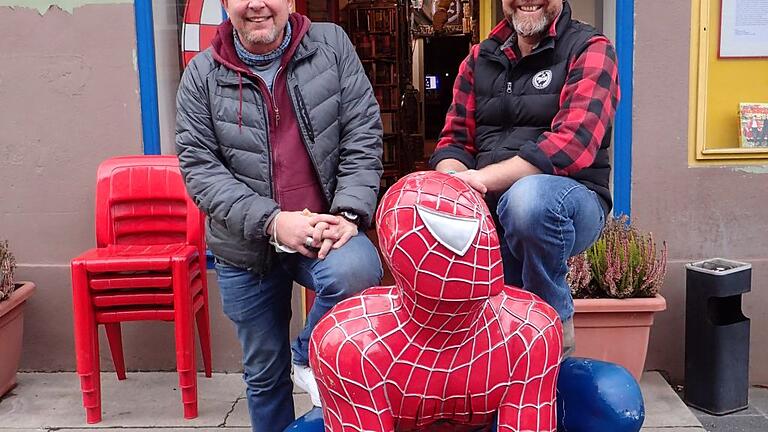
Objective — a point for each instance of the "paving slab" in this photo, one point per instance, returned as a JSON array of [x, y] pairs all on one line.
[[672, 429], [758, 399], [146, 399], [731, 423], [150, 401], [5, 429], [663, 408], [302, 403], [752, 419]]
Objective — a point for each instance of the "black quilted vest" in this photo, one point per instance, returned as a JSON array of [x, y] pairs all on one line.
[[515, 104]]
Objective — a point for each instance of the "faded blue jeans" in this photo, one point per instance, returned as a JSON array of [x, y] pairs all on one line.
[[260, 308], [542, 221]]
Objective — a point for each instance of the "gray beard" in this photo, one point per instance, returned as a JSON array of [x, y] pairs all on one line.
[[262, 39], [527, 28]]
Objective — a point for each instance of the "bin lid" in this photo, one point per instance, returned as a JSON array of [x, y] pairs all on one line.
[[718, 266]]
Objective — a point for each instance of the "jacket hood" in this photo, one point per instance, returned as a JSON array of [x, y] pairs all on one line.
[[223, 45]]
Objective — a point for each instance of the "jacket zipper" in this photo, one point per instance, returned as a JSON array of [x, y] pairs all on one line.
[[274, 102], [276, 110]]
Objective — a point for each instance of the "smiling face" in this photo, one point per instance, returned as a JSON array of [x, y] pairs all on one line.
[[531, 18], [259, 23]]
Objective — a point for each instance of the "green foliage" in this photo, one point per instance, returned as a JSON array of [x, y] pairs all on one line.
[[7, 268], [622, 263]]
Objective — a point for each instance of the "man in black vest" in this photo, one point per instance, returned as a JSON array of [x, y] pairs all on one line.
[[530, 128]]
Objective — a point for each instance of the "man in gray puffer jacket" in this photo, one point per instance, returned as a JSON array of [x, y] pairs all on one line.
[[279, 138]]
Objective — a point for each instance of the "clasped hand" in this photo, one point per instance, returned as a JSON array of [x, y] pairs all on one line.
[[294, 229], [472, 178]]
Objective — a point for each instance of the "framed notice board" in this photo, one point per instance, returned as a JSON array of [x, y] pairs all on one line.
[[719, 86]]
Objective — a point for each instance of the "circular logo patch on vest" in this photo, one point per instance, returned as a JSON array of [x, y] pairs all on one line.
[[542, 79]]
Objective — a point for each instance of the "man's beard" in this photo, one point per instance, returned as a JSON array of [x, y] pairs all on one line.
[[262, 38], [527, 27]]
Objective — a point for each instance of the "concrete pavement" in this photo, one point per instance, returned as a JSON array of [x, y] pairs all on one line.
[[148, 401], [752, 419]]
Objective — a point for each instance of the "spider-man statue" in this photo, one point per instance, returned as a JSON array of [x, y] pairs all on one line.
[[599, 396], [449, 347]]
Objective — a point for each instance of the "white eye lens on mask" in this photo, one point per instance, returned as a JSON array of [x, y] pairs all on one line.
[[453, 232]]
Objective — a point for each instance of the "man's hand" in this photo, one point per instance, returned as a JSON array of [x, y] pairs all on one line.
[[450, 166], [474, 179], [329, 232], [497, 177], [336, 235], [321, 241], [292, 229]]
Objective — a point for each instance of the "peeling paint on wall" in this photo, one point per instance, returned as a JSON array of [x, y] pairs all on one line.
[[753, 169], [42, 6]]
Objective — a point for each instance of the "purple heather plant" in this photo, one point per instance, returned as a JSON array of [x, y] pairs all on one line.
[[7, 268], [622, 263], [579, 276]]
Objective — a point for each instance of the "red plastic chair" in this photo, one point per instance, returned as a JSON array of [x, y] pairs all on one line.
[[149, 264]]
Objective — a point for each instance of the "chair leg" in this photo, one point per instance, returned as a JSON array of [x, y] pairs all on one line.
[[185, 342], [204, 331], [115, 339], [86, 343], [90, 384]]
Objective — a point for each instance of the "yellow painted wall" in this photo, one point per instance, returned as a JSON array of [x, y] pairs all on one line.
[[486, 17], [729, 82]]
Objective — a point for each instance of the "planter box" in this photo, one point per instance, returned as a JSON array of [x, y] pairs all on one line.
[[11, 332], [616, 330]]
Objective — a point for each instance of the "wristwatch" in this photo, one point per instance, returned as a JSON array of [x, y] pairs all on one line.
[[350, 216]]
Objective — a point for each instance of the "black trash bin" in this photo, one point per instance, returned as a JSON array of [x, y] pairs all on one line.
[[716, 336]]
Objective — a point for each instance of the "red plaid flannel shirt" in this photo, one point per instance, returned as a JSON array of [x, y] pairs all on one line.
[[587, 105]]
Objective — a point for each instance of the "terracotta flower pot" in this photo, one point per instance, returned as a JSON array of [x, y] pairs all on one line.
[[11, 331], [616, 330]]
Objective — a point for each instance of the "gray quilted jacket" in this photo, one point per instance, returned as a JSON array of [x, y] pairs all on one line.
[[226, 162]]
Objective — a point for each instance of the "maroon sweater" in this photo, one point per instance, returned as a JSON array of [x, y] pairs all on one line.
[[295, 183]]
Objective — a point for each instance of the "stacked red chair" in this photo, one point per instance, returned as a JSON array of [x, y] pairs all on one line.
[[149, 264]]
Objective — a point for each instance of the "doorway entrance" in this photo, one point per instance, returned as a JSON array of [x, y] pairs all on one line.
[[442, 57]]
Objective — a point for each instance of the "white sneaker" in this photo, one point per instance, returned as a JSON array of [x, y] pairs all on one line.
[[305, 379]]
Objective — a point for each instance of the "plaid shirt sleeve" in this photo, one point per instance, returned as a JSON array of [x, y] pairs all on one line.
[[457, 140], [587, 105]]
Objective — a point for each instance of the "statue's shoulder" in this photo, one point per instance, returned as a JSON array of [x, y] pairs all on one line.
[[373, 307], [518, 306]]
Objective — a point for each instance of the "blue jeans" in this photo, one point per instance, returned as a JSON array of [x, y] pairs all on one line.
[[260, 308], [542, 221]]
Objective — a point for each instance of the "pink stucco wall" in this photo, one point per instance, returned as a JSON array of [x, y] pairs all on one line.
[[701, 212], [70, 99], [69, 92]]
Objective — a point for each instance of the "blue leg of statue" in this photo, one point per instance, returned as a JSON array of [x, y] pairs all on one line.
[[309, 422], [592, 395]]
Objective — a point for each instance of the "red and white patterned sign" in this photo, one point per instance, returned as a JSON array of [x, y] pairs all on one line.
[[201, 18]]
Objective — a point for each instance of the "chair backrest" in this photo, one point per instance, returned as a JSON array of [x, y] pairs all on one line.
[[142, 200]]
